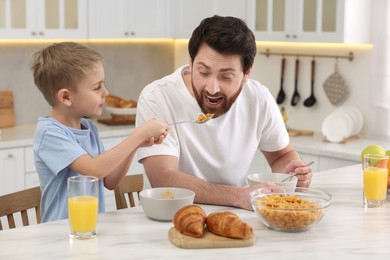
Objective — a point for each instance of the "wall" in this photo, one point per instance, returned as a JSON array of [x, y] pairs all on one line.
[[129, 66], [267, 70]]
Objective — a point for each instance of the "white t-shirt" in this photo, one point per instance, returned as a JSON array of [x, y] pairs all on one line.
[[221, 150]]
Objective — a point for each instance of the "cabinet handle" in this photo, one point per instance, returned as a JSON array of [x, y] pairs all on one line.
[[10, 156], [126, 33], [288, 36], [41, 33], [132, 33], [33, 33], [294, 36]]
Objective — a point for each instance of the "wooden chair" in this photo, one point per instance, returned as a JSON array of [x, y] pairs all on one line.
[[130, 185], [20, 201]]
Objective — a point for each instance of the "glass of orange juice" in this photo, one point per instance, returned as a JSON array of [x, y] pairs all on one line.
[[375, 179], [83, 206]]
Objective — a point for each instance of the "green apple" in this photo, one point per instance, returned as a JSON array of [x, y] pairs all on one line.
[[372, 149], [388, 153]]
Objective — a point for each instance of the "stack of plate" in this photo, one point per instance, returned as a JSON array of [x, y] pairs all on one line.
[[344, 122]]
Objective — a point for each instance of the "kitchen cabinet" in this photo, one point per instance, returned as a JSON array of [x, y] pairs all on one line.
[[43, 19], [189, 13], [130, 19], [342, 21], [11, 170]]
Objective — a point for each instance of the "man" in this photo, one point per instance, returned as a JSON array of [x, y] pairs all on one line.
[[213, 158]]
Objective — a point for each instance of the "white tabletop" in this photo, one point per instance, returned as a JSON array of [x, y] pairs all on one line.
[[346, 231]]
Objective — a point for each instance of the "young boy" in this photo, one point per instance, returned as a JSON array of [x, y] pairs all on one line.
[[71, 78]]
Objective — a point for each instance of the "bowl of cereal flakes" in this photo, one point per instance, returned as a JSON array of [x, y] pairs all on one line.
[[294, 211], [162, 203]]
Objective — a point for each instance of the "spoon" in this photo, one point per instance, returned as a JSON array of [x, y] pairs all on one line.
[[296, 96], [281, 94], [292, 174], [202, 118], [191, 121], [310, 101]]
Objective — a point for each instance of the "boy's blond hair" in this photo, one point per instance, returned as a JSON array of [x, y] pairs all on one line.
[[62, 65]]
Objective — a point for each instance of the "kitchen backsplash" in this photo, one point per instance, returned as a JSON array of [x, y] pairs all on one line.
[[129, 66]]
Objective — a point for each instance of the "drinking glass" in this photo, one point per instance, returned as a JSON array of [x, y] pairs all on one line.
[[375, 179], [83, 206]]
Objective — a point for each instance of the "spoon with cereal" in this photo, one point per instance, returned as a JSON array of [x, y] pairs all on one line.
[[202, 118]]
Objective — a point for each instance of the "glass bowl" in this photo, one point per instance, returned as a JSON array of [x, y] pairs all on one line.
[[294, 211]]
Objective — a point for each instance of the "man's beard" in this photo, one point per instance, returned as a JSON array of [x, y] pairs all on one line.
[[223, 108]]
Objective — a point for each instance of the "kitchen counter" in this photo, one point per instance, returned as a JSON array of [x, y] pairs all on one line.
[[349, 151], [347, 231], [22, 135]]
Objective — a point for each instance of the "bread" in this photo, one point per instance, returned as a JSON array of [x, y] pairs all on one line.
[[190, 220], [115, 101], [228, 224]]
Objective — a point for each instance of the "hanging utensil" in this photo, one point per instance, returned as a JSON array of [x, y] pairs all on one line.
[[296, 96], [335, 87], [281, 94], [311, 100]]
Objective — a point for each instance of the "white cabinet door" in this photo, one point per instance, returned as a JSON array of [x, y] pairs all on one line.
[[189, 13], [43, 19], [31, 178], [327, 163], [310, 20], [130, 19], [11, 170]]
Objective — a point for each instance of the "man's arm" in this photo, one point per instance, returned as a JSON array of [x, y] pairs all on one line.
[[163, 171], [287, 160]]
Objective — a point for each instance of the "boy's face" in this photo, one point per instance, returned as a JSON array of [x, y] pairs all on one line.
[[217, 80], [88, 99]]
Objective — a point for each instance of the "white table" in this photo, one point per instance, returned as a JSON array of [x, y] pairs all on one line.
[[346, 231]]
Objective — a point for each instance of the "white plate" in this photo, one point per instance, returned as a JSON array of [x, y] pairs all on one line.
[[121, 111], [337, 126], [356, 116]]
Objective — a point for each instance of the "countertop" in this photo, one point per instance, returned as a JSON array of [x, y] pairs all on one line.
[[347, 231], [22, 135]]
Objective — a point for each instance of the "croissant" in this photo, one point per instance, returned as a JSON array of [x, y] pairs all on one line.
[[228, 224], [190, 220]]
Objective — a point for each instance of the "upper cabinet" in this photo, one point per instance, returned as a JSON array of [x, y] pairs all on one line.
[[189, 13], [340, 21], [43, 19], [130, 19]]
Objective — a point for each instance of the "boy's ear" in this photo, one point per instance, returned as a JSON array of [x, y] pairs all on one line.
[[63, 97]]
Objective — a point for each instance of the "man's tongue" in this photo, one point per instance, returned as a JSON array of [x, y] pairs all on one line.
[[214, 101]]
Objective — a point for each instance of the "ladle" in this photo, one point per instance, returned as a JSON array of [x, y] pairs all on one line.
[[311, 100], [281, 95], [296, 96]]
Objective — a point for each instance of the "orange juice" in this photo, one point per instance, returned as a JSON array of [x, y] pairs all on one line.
[[83, 213], [375, 183]]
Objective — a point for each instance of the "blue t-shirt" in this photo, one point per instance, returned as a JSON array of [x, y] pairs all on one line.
[[55, 147]]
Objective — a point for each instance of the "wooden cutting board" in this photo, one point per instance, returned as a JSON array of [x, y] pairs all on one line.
[[208, 240], [298, 132], [7, 112]]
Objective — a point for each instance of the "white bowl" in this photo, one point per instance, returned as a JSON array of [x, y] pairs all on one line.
[[162, 203], [275, 178]]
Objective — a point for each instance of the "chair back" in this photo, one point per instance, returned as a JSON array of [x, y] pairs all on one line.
[[20, 201], [131, 185]]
